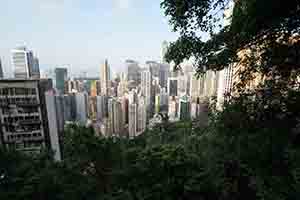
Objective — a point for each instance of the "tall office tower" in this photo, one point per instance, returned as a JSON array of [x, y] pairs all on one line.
[[184, 108], [81, 107], [27, 116], [35, 68], [164, 97], [154, 67], [173, 109], [133, 72], [132, 122], [1, 70], [61, 75], [163, 75], [164, 49], [173, 86], [22, 60], [225, 84], [104, 78], [146, 90], [142, 115]]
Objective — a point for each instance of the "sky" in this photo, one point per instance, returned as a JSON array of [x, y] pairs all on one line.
[[82, 33]]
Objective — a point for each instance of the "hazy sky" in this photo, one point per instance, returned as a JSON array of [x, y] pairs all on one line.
[[82, 33]]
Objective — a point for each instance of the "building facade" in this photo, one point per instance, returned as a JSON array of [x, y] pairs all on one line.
[[105, 78], [61, 76], [24, 63], [28, 116]]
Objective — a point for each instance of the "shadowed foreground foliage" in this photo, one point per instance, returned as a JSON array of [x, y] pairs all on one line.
[[242, 154]]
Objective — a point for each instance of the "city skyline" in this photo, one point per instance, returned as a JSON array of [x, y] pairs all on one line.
[[83, 35]]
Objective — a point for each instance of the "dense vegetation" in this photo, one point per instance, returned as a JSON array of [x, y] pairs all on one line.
[[249, 150]]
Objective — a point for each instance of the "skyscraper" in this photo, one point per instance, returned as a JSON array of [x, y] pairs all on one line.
[[173, 109], [132, 123], [154, 67], [93, 90], [133, 71], [118, 118], [25, 65], [146, 90], [61, 75], [184, 108], [195, 87], [142, 115], [182, 85], [102, 109], [104, 78], [35, 68], [164, 97], [21, 62], [111, 122], [173, 86], [211, 83], [163, 75], [164, 49], [81, 107]]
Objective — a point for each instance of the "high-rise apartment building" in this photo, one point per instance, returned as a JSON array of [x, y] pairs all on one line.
[[102, 109], [211, 83], [115, 118], [146, 90], [164, 97], [105, 78], [173, 86], [125, 102], [163, 75], [28, 116], [182, 85], [24, 63], [118, 119], [142, 115], [61, 76], [133, 121], [81, 107], [173, 109], [184, 108]]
